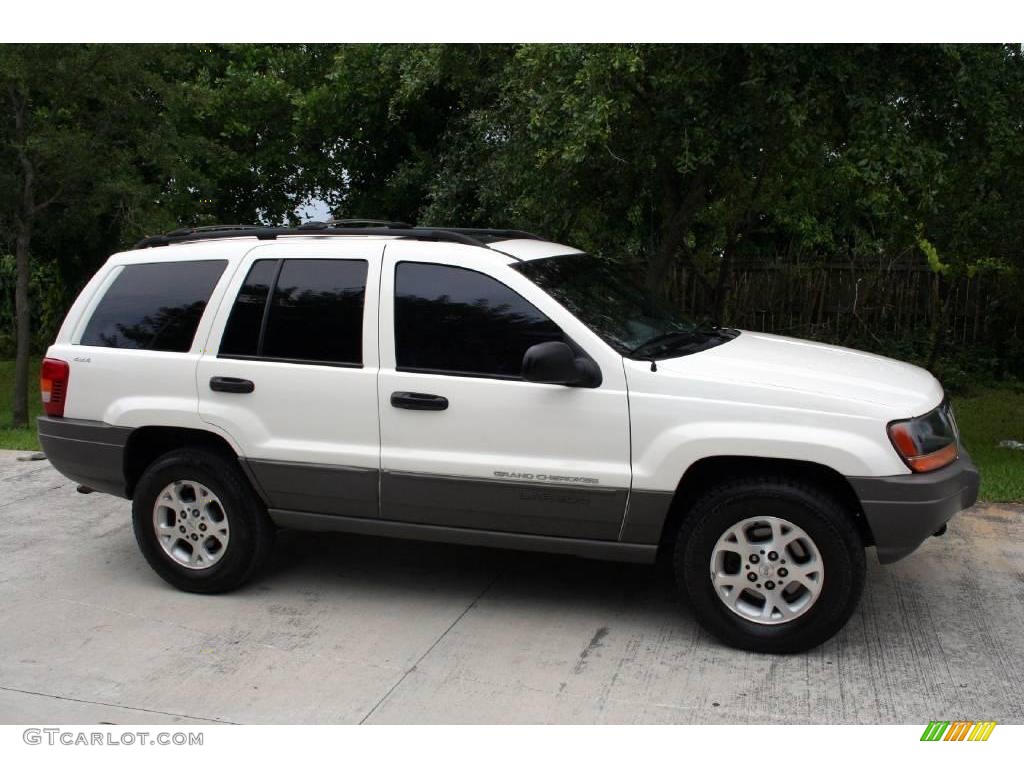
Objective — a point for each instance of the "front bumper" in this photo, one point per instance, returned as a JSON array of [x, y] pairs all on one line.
[[904, 510]]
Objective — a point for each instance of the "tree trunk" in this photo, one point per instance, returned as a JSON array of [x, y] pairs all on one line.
[[659, 264], [23, 265], [677, 212], [718, 312], [941, 311], [22, 323]]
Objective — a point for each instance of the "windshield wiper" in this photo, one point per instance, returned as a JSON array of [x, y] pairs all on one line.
[[663, 339]]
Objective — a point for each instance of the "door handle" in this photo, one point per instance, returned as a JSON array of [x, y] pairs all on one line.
[[231, 384], [418, 401]]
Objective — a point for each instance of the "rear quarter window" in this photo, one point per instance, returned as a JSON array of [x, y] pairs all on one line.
[[154, 306]]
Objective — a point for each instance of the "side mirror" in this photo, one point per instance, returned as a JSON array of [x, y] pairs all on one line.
[[554, 362]]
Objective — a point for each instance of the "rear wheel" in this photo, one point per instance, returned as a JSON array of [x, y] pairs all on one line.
[[769, 564], [198, 522]]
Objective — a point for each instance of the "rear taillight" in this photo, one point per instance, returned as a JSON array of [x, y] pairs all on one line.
[[53, 385]]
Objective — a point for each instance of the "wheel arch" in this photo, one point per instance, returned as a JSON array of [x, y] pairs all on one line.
[[712, 470], [146, 444]]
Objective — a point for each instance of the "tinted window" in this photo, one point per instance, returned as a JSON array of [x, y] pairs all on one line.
[[315, 313], [242, 332], [154, 306], [633, 319], [454, 320]]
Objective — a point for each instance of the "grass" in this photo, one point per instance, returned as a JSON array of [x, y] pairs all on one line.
[[20, 439], [986, 417]]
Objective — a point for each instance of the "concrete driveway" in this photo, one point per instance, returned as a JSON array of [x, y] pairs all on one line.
[[349, 629]]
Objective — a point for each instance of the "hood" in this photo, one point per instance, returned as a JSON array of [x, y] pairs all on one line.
[[761, 360]]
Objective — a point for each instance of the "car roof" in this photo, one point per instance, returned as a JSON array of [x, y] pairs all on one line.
[[528, 250]]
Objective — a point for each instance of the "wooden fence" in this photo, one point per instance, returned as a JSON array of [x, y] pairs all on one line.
[[840, 301]]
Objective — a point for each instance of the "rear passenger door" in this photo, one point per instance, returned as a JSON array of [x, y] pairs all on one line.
[[290, 374]]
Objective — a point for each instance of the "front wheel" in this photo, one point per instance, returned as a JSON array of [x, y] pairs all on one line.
[[198, 522], [769, 564]]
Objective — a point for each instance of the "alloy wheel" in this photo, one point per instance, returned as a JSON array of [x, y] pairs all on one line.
[[191, 525], [767, 570]]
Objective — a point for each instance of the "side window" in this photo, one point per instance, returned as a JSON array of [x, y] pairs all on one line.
[[154, 306], [457, 321], [301, 310], [242, 333]]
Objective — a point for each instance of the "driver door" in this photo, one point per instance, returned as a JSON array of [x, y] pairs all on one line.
[[465, 440]]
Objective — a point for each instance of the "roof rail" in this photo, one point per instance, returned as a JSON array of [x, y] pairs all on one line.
[[341, 227], [367, 223], [213, 228], [493, 235]]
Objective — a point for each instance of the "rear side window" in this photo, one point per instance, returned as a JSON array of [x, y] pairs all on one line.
[[154, 306], [456, 321], [299, 310], [242, 333]]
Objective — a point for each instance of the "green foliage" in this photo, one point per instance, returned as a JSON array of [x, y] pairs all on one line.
[[700, 158], [52, 300], [696, 157], [691, 155], [986, 419], [10, 437], [932, 255]]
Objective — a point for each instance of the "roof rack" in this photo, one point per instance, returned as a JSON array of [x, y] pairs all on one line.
[[493, 235], [342, 227], [366, 223], [213, 228]]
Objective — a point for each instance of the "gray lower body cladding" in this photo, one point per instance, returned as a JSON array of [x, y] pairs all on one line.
[[457, 502], [598, 550], [904, 510], [578, 512], [645, 516], [577, 520], [318, 488], [901, 510], [417, 499], [89, 452]]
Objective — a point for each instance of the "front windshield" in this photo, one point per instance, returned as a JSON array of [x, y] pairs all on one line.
[[614, 304]]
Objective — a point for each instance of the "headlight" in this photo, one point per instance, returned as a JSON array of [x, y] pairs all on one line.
[[927, 442]]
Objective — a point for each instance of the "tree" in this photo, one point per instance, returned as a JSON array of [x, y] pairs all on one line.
[[49, 151], [662, 153], [692, 155], [670, 158], [100, 144], [384, 116], [243, 150]]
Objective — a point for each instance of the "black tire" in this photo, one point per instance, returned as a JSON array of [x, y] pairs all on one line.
[[251, 531], [825, 520]]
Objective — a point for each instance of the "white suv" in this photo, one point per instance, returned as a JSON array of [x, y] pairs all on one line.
[[489, 387]]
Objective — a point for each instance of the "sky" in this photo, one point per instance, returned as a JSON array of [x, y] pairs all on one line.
[[313, 210]]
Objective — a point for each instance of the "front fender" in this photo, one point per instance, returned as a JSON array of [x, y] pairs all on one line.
[[664, 458]]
